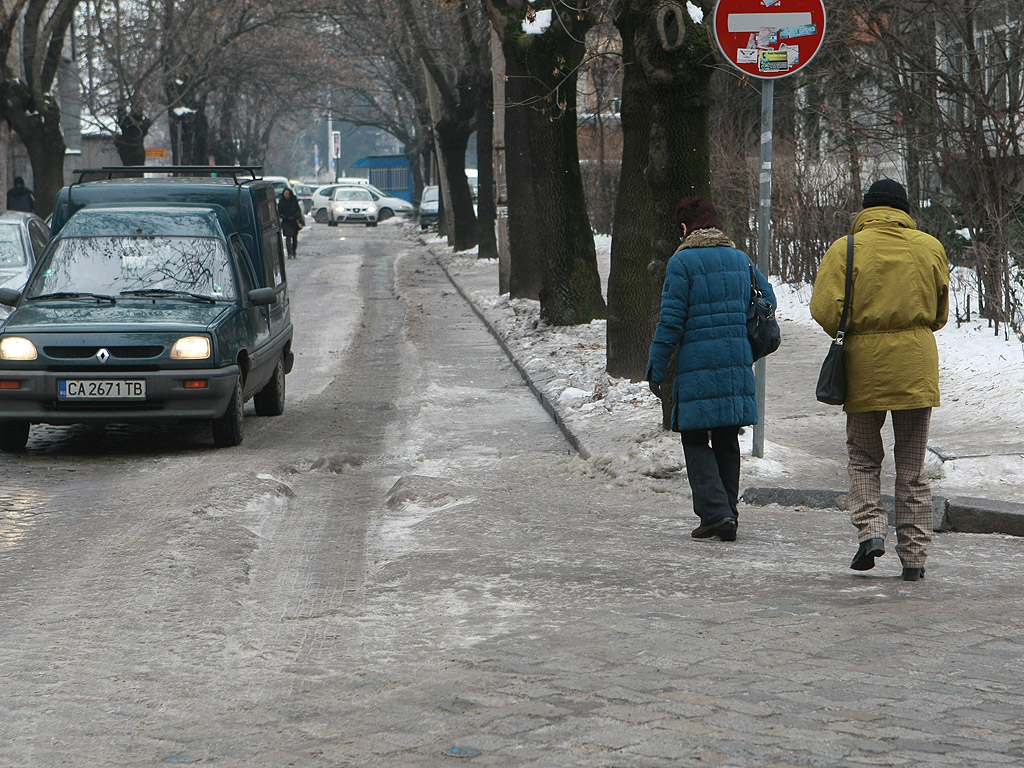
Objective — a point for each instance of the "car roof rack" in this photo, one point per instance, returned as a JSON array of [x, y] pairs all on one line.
[[238, 173]]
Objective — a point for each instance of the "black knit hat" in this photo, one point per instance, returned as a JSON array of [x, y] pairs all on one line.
[[887, 192]]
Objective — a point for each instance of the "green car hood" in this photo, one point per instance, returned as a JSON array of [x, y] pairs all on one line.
[[162, 315]]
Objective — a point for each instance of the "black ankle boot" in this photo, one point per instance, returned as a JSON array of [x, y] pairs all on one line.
[[868, 550], [913, 574]]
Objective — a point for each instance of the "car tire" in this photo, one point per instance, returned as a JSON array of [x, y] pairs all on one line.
[[385, 213], [227, 429], [13, 435], [320, 217], [269, 401]]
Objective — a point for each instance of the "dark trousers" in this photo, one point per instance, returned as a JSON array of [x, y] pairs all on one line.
[[713, 471], [290, 243]]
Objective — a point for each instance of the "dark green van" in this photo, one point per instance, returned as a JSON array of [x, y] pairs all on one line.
[[156, 299]]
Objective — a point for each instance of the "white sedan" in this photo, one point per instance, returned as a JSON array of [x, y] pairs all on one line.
[[352, 204], [387, 206]]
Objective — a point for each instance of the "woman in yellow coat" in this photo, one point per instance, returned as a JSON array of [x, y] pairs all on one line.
[[899, 298]]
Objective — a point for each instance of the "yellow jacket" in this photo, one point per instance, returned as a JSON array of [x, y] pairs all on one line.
[[899, 298]]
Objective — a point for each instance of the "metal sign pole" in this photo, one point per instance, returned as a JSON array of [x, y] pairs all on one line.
[[764, 212]]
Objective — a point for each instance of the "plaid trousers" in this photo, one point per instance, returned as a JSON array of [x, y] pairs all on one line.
[[913, 495]]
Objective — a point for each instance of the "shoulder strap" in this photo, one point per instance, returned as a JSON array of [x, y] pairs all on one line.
[[849, 287]]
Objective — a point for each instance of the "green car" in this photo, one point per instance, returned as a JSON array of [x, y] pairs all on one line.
[[137, 312]]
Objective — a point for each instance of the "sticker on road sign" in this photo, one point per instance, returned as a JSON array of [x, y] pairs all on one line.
[[773, 61]]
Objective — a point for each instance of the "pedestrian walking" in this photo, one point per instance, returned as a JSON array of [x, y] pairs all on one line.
[[290, 211], [704, 317], [899, 298], [20, 197]]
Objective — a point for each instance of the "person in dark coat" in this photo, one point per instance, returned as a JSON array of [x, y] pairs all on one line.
[[20, 197], [704, 316], [290, 211]]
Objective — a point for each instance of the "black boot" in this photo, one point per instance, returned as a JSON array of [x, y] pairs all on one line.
[[913, 574], [868, 550]]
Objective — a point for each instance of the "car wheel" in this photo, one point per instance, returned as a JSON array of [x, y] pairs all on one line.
[[269, 401], [227, 429], [13, 435], [385, 214], [320, 217]]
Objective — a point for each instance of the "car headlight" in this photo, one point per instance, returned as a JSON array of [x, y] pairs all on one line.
[[191, 348], [371, 209], [17, 348]]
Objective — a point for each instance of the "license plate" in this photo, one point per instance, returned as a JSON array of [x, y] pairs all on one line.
[[101, 389]]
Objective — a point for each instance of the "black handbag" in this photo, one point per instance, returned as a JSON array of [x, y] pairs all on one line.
[[831, 387], [762, 327]]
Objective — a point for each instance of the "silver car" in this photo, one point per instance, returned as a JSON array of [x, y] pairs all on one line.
[[23, 236]]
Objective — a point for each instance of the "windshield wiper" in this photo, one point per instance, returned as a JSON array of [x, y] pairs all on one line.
[[74, 295], [169, 293]]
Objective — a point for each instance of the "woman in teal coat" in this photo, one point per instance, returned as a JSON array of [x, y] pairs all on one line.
[[704, 315]]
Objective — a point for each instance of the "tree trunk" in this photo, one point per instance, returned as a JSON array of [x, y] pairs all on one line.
[[629, 330], [131, 142], [486, 210], [678, 60], [526, 240], [571, 294], [452, 142], [46, 149], [547, 65]]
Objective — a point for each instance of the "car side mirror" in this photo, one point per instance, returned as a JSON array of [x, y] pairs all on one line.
[[261, 297], [9, 296]]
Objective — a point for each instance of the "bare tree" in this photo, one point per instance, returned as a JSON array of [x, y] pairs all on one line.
[[32, 34]]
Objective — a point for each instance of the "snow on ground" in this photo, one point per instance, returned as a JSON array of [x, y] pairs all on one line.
[[981, 384]]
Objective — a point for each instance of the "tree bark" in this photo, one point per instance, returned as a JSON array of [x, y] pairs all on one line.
[[629, 330], [526, 240], [548, 64]]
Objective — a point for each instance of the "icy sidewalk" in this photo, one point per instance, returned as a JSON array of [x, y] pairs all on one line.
[[976, 459]]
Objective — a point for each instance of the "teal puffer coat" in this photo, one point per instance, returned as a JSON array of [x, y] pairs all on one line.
[[704, 313]]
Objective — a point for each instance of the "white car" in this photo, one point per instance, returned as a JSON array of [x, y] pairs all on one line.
[[352, 204], [281, 183], [387, 206]]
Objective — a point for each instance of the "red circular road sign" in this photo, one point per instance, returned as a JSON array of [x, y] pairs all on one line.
[[769, 38]]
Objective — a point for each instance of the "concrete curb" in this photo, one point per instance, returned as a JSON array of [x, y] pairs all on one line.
[[961, 514]]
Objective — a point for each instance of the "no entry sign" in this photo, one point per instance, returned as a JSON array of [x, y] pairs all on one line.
[[769, 38]]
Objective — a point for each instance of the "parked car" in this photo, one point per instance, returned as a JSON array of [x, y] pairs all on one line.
[[23, 236], [352, 204], [430, 207], [156, 299], [305, 194], [388, 206], [281, 183]]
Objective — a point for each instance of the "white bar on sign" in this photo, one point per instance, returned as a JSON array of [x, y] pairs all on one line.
[[755, 22]]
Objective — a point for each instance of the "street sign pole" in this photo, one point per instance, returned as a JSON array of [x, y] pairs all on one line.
[[766, 39], [764, 217]]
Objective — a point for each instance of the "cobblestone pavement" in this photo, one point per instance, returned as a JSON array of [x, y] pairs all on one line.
[[450, 581], [526, 610]]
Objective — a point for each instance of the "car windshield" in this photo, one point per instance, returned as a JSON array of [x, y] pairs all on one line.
[[12, 251], [112, 265], [351, 194], [430, 194]]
